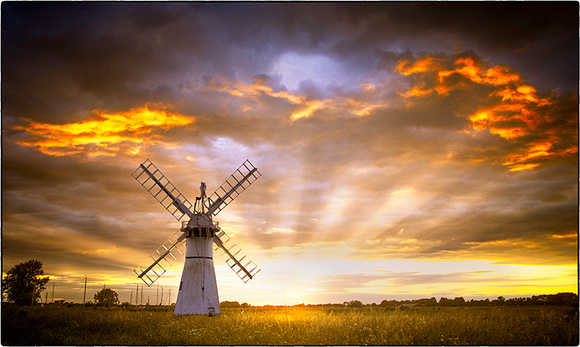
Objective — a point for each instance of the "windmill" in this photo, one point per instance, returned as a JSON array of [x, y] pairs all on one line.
[[198, 292]]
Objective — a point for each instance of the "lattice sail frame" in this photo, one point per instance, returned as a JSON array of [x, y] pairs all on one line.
[[162, 259], [151, 178], [234, 256], [239, 181]]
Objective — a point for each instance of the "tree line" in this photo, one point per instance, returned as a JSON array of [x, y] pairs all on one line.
[[24, 282], [545, 299], [548, 299]]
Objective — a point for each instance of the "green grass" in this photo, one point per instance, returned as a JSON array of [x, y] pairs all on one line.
[[291, 326]]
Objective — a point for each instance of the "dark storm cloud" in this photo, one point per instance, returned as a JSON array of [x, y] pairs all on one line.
[[513, 22], [57, 256], [26, 170], [60, 199], [127, 53], [100, 53], [84, 53], [523, 34]]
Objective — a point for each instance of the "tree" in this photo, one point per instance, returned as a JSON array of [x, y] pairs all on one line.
[[353, 303], [106, 297], [23, 283], [386, 303], [500, 301]]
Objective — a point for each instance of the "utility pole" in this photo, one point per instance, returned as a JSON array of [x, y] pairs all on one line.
[[85, 295], [157, 298], [169, 296], [52, 291]]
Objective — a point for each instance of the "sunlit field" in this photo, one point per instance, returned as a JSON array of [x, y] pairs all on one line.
[[547, 325]]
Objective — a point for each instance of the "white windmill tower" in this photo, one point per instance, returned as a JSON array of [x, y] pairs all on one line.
[[198, 292]]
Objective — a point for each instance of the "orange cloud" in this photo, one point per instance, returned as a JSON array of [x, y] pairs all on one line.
[[304, 107], [258, 89], [416, 91], [499, 75], [518, 114], [498, 117], [464, 66], [517, 111], [524, 93], [422, 64], [514, 120], [309, 108], [536, 150], [107, 135], [252, 91], [496, 75]]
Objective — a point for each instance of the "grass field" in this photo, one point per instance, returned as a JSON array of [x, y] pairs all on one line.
[[291, 326]]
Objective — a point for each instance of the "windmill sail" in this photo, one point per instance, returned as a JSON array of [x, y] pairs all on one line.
[[162, 259], [149, 176], [239, 181], [245, 268]]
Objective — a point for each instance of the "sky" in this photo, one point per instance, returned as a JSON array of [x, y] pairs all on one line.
[[407, 150]]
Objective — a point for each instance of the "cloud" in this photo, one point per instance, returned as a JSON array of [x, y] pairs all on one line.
[[106, 135], [476, 219], [508, 106], [279, 230], [423, 132]]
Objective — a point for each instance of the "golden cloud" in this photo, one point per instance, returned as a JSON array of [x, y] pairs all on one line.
[[421, 64], [304, 107], [106, 135], [513, 110], [251, 91], [466, 67], [517, 110]]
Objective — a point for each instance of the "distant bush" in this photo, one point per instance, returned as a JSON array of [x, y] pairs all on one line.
[[353, 303], [230, 304]]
